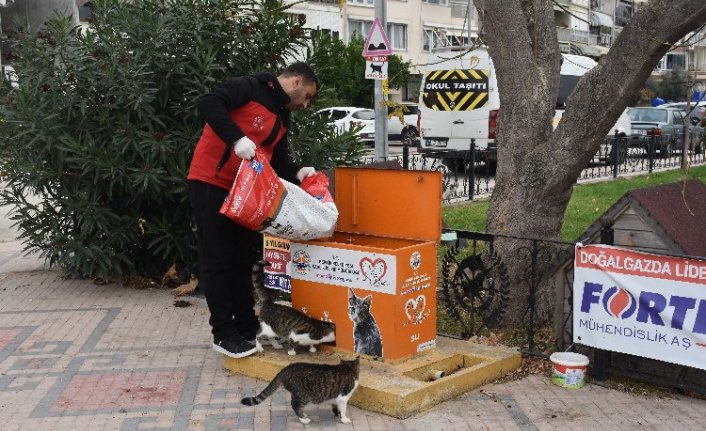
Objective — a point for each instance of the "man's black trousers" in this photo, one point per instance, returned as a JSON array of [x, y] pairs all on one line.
[[227, 253]]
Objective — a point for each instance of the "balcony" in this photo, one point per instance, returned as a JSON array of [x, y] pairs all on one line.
[[574, 35]]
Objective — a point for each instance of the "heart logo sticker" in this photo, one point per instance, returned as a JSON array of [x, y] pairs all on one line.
[[414, 309], [373, 270]]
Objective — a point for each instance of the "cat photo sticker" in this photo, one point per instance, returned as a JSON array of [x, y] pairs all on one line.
[[367, 339]]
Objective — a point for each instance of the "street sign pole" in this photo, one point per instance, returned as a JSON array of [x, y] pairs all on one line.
[[380, 107]]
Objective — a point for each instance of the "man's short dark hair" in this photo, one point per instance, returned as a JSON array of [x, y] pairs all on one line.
[[302, 69]]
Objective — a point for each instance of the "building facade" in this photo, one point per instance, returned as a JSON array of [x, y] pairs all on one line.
[[418, 27]]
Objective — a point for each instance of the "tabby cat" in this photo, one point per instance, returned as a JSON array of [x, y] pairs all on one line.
[[314, 383], [366, 334], [279, 323]]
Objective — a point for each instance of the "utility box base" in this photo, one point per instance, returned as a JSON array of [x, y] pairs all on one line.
[[406, 387]]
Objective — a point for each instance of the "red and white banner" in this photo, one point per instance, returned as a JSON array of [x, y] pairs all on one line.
[[277, 253], [641, 304]]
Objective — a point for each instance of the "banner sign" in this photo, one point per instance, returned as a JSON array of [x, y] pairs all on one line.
[[277, 254], [641, 304], [343, 267]]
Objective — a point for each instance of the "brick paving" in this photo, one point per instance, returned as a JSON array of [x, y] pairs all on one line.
[[79, 356]]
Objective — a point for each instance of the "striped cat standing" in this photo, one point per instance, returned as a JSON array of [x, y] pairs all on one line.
[[315, 383], [280, 323]]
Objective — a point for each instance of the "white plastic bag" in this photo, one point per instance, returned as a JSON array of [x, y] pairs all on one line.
[[302, 216]]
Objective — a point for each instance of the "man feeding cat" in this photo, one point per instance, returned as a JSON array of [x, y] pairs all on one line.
[[243, 114]]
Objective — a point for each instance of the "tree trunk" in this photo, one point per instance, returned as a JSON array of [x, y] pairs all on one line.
[[538, 166]]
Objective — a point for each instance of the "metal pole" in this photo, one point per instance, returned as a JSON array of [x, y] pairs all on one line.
[[615, 148], [405, 155], [652, 148], [472, 170], [380, 107], [602, 358], [686, 141]]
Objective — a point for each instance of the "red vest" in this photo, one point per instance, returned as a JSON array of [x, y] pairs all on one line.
[[256, 121]]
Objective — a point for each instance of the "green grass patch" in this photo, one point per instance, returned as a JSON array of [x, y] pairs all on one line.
[[587, 203]]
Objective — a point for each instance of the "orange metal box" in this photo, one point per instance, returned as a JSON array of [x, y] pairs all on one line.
[[376, 277]]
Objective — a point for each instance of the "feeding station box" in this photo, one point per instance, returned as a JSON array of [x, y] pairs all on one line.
[[375, 278]]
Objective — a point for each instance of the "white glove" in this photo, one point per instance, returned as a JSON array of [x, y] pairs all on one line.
[[305, 172], [244, 148]]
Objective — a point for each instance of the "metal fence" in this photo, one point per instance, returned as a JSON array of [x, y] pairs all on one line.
[[467, 177], [473, 299]]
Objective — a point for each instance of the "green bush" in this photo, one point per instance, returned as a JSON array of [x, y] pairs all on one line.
[[96, 140], [341, 67]]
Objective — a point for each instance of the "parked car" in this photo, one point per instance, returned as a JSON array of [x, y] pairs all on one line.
[[614, 148], [664, 125], [403, 131], [696, 110], [396, 129], [343, 117]]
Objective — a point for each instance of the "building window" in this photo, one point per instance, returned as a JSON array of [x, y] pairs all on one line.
[[672, 62], [85, 12], [361, 2], [358, 28], [439, 2], [440, 38], [623, 13], [397, 33], [317, 33]]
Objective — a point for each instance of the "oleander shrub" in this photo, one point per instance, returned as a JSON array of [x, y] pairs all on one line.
[[96, 138]]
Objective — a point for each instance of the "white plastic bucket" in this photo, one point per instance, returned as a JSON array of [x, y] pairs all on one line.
[[569, 369]]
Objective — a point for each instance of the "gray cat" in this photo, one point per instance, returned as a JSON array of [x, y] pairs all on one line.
[[366, 334], [314, 383], [279, 323]]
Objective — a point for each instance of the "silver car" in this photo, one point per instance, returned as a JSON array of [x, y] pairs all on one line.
[[660, 130]]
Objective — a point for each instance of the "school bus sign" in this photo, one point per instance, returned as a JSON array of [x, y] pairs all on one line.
[[456, 90]]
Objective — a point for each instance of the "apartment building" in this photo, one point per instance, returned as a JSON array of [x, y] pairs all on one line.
[[417, 27], [414, 27]]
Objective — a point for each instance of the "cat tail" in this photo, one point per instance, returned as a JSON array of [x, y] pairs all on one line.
[[258, 282], [269, 390]]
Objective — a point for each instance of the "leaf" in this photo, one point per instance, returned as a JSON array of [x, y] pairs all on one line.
[[171, 274], [187, 288]]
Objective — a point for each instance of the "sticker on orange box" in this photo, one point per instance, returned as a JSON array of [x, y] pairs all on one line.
[[415, 260], [276, 253], [348, 268], [415, 283], [416, 310]]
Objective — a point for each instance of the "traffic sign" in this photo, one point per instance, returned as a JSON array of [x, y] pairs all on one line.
[[377, 42], [376, 67]]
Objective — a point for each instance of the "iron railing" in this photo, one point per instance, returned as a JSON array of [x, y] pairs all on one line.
[[466, 176], [473, 298]]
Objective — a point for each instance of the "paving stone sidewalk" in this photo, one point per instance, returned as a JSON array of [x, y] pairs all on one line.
[[79, 356]]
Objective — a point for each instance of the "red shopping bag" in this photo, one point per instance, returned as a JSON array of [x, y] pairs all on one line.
[[317, 186], [256, 194]]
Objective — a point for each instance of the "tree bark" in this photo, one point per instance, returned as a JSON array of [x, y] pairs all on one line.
[[538, 165]]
